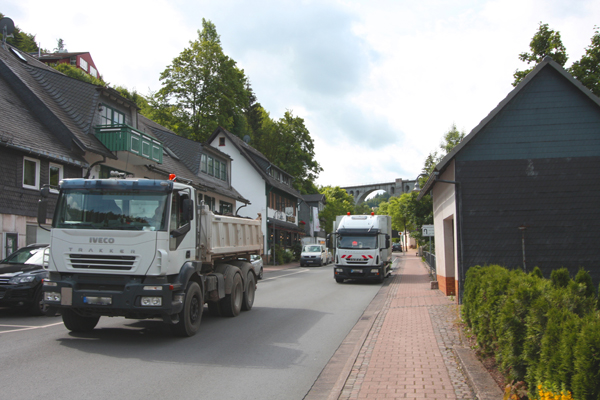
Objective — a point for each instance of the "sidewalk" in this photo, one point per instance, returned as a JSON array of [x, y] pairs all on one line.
[[405, 345]]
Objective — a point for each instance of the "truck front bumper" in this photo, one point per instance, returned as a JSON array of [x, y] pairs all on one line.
[[369, 273], [114, 296]]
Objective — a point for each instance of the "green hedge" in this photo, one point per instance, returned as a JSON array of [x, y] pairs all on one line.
[[543, 332]]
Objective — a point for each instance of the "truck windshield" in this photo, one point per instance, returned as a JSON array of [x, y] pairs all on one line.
[[104, 209], [357, 242]]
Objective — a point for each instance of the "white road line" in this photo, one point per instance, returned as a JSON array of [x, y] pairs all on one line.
[[26, 328], [282, 276]]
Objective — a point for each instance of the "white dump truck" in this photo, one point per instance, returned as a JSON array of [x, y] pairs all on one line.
[[362, 247], [141, 248]]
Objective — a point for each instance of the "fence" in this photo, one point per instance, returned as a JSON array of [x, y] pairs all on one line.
[[430, 261]]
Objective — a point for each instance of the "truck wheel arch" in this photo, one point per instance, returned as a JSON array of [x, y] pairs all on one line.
[[228, 271]]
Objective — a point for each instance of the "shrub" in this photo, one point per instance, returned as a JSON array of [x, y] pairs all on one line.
[[537, 272], [287, 256], [583, 278], [560, 277], [586, 379]]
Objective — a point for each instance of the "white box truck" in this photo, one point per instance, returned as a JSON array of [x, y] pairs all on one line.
[[362, 245], [141, 248]]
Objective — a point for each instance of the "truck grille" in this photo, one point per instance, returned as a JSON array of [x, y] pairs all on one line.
[[96, 261]]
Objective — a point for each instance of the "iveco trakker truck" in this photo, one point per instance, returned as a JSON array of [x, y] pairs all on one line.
[[362, 247], [141, 248]]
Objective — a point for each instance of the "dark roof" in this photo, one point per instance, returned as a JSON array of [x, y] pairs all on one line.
[[19, 130], [314, 198], [260, 163], [64, 105], [548, 62], [179, 157], [60, 56]]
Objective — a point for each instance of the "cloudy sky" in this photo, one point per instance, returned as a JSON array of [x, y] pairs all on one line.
[[378, 83]]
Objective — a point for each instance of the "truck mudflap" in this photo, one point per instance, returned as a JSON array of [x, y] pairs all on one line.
[[367, 273], [115, 296]]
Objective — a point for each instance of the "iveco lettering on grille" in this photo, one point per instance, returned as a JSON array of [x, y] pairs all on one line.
[[101, 240]]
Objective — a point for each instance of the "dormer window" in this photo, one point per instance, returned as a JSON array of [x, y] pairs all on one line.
[[221, 141], [110, 116], [213, 167]]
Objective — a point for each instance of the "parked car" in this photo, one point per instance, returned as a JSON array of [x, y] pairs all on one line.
[[397, 247], [257, 264], [21, 277], [314, 254]]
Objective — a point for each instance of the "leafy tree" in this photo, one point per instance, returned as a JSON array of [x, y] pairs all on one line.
[[546, 42], [22, 40], [204, 87], [339, 202], [362, 209], [60, 46], [587, 70], [74, 72]]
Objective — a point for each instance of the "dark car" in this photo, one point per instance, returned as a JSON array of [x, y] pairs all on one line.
[[21, 277], [397, 247]]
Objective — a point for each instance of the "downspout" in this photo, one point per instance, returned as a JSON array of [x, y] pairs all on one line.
[[93, 165]]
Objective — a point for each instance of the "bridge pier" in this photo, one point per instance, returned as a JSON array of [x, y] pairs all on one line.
[[395, 189]]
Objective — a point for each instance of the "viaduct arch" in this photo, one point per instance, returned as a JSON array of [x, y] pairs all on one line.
[[395, 188]]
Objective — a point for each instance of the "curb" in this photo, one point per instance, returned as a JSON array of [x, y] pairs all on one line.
[[480, 380]]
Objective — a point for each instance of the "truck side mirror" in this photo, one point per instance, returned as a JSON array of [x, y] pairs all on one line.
[[188, 209], [387, 241], [42, 211], [45, 191]]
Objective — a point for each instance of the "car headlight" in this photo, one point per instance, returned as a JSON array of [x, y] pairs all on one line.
[[21, 279]]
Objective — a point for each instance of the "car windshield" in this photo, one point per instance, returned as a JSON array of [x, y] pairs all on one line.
[[357, 242], [312, 249], [26, 256], [104, 209]]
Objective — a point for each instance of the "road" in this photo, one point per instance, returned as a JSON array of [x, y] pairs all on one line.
[[274, 351]]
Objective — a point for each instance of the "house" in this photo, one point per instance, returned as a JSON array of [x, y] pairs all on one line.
[[267, 187], [310, 207], [81, 60], [522, 189], [54, 127]]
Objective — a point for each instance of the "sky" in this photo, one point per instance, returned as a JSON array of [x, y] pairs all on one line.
[[378, 83]]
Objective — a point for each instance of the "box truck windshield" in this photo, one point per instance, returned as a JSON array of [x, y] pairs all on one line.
[[357, 242]]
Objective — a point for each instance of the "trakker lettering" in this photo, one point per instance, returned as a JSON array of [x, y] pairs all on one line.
[[101, 240]]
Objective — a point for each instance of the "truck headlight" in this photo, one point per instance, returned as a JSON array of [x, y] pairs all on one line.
[[151, 301], [51, 296], [339, 270], [374, 271]]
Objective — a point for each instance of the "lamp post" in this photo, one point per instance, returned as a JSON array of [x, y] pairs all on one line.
[[522, 228]]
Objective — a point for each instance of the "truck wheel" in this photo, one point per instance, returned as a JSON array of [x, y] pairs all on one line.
[[78, 323], [191, 315], [231, 304], [248, 299]]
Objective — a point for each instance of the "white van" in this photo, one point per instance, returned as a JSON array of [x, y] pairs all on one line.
[[314, 254]]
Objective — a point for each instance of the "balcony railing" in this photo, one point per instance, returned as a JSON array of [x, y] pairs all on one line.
[[125, 138]]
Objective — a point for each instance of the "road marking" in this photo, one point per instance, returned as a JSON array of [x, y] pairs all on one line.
[[26, 328], [282, 276]]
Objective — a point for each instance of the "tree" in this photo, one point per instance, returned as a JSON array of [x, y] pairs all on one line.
[[77, 73], [587, 70], [338, 203], [22, 40], [546, 42], [204, 87]]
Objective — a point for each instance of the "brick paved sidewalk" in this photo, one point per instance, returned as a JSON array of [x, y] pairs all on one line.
[[408, 351]]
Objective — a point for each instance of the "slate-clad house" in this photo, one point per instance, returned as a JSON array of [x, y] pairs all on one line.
[[522, 189], [81, 60], [268, 188], [310, 207], [54, 127]]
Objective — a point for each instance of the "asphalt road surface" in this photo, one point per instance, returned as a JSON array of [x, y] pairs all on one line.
[[274, 351]]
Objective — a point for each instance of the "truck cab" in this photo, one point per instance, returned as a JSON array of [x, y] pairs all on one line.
[[362, 247]]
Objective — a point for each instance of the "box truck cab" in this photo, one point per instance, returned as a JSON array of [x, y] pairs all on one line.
[[362, 247]]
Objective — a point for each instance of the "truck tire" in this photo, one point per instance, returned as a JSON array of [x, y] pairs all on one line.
[[231, 304], [248, 299], [78, 323], [191, 315]]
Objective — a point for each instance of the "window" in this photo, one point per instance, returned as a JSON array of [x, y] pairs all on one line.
[[221, 141], [217, 168], [110, 116], [83, 64], [210, 166], [223, 171], [210, 202], [56, 175], [31, 173], [93, 72], [225, 208], [203, 163]]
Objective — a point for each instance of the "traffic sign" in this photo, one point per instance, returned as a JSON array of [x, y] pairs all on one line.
[[427, 230]]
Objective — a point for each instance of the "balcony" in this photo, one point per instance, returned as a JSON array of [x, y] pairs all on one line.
[[124, 138]]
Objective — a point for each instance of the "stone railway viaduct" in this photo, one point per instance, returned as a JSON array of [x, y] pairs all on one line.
[[396, 188]]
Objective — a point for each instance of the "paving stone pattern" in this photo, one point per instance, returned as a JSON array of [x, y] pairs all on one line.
[[408, 352]]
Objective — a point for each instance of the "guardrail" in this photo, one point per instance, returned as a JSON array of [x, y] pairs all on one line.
[[430, 261]]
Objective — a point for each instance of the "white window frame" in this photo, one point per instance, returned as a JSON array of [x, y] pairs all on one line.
[[60, 175], [37, 174]]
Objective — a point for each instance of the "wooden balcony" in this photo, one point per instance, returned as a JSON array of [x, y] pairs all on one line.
[[124, 138]]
